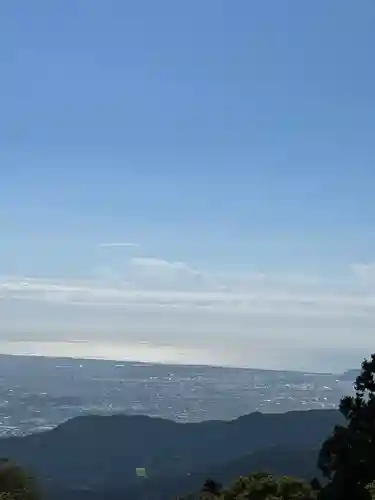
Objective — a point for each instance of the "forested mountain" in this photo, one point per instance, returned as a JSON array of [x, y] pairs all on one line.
[[97, 453]]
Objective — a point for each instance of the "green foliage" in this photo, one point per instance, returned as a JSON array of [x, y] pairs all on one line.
[[15, 484], [347, 457], [267, 487], [212, 488], [262, 486], [371, 489]]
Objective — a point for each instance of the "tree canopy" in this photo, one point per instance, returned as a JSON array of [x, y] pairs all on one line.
[[261, 486], [15, 483], [347, 458]]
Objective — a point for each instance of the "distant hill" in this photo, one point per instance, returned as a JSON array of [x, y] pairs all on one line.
[[349, 375], [100, 453]]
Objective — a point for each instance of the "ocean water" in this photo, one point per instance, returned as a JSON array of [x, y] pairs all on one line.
[[39, 393]]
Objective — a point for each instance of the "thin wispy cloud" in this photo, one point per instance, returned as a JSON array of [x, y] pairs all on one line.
[[119, 244], [157, 264]]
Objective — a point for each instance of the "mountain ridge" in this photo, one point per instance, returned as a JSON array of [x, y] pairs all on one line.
[[96, 452]]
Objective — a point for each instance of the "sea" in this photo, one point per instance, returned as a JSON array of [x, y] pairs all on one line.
[[38, 393]]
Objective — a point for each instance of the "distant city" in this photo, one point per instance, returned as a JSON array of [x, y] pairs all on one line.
[[38, 393]]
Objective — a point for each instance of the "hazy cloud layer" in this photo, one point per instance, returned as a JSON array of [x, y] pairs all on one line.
[[173, 304]]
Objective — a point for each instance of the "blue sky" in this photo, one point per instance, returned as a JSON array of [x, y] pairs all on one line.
[[225, 147]]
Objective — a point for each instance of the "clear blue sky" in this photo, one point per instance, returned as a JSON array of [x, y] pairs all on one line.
[[222, 138]]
